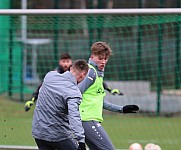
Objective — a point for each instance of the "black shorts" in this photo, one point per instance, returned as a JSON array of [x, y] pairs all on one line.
[[68, 144]]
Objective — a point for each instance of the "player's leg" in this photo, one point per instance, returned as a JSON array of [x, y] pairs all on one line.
[[44, 145], [96, 136], [68, 144]]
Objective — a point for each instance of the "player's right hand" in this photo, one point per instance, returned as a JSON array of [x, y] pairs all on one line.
[[81, 146], [28, 105], [130, 109]]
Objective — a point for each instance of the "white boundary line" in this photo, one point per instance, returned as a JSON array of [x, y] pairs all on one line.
[[18, 147], [89, 11], [5, 147]]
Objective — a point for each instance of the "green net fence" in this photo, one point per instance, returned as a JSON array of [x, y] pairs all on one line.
[[143, 46], [145, 66]]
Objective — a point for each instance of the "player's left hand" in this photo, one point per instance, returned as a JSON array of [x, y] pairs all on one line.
[[116, 91], [28, 105], [130, 109]]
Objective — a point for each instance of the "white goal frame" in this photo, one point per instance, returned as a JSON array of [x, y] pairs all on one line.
[[89, 11]]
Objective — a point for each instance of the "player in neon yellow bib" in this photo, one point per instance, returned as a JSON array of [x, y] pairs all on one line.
[[93, 99], [92, 104]]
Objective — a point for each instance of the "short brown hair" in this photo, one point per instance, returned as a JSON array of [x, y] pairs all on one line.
[[80, 65], [101, 48], [65, 56]]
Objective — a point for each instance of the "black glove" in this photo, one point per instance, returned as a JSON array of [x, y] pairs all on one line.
[[81, 146], [130, 109], [29, 103]]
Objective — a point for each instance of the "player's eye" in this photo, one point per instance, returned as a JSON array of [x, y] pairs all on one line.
[[100, 57]]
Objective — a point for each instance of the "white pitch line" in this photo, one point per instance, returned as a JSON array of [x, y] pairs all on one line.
[[18, 147], [27, 147]]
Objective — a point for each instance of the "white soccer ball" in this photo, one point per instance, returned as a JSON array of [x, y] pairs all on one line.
[[135, 146], [157, 147], [149, 146]]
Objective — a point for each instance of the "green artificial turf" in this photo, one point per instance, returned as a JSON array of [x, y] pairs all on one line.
[[123, 129]]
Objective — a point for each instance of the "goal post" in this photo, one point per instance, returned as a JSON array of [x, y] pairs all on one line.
[[145, 65]]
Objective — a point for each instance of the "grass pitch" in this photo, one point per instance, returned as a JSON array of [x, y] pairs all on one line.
[[123, 129]]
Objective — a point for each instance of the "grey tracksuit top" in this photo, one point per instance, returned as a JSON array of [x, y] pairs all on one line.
[[57, 114]]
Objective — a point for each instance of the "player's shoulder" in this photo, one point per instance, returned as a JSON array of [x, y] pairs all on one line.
[[51, 74], [91, 74]]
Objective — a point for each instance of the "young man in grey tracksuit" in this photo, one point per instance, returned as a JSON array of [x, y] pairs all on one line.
[[56, 121]]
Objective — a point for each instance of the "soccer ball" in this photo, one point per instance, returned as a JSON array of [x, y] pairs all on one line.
[[157, 147], [135, 146], [149, 146]]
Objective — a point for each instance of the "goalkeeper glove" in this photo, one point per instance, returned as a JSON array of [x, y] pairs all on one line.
[[116, 91], [81, 146], [130, 109], [28, 104]]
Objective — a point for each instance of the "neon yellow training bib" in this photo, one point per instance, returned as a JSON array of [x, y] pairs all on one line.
[[92, 101]]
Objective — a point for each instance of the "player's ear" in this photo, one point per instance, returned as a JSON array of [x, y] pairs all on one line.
[[82, 75], [70, 68], [91, 56]]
